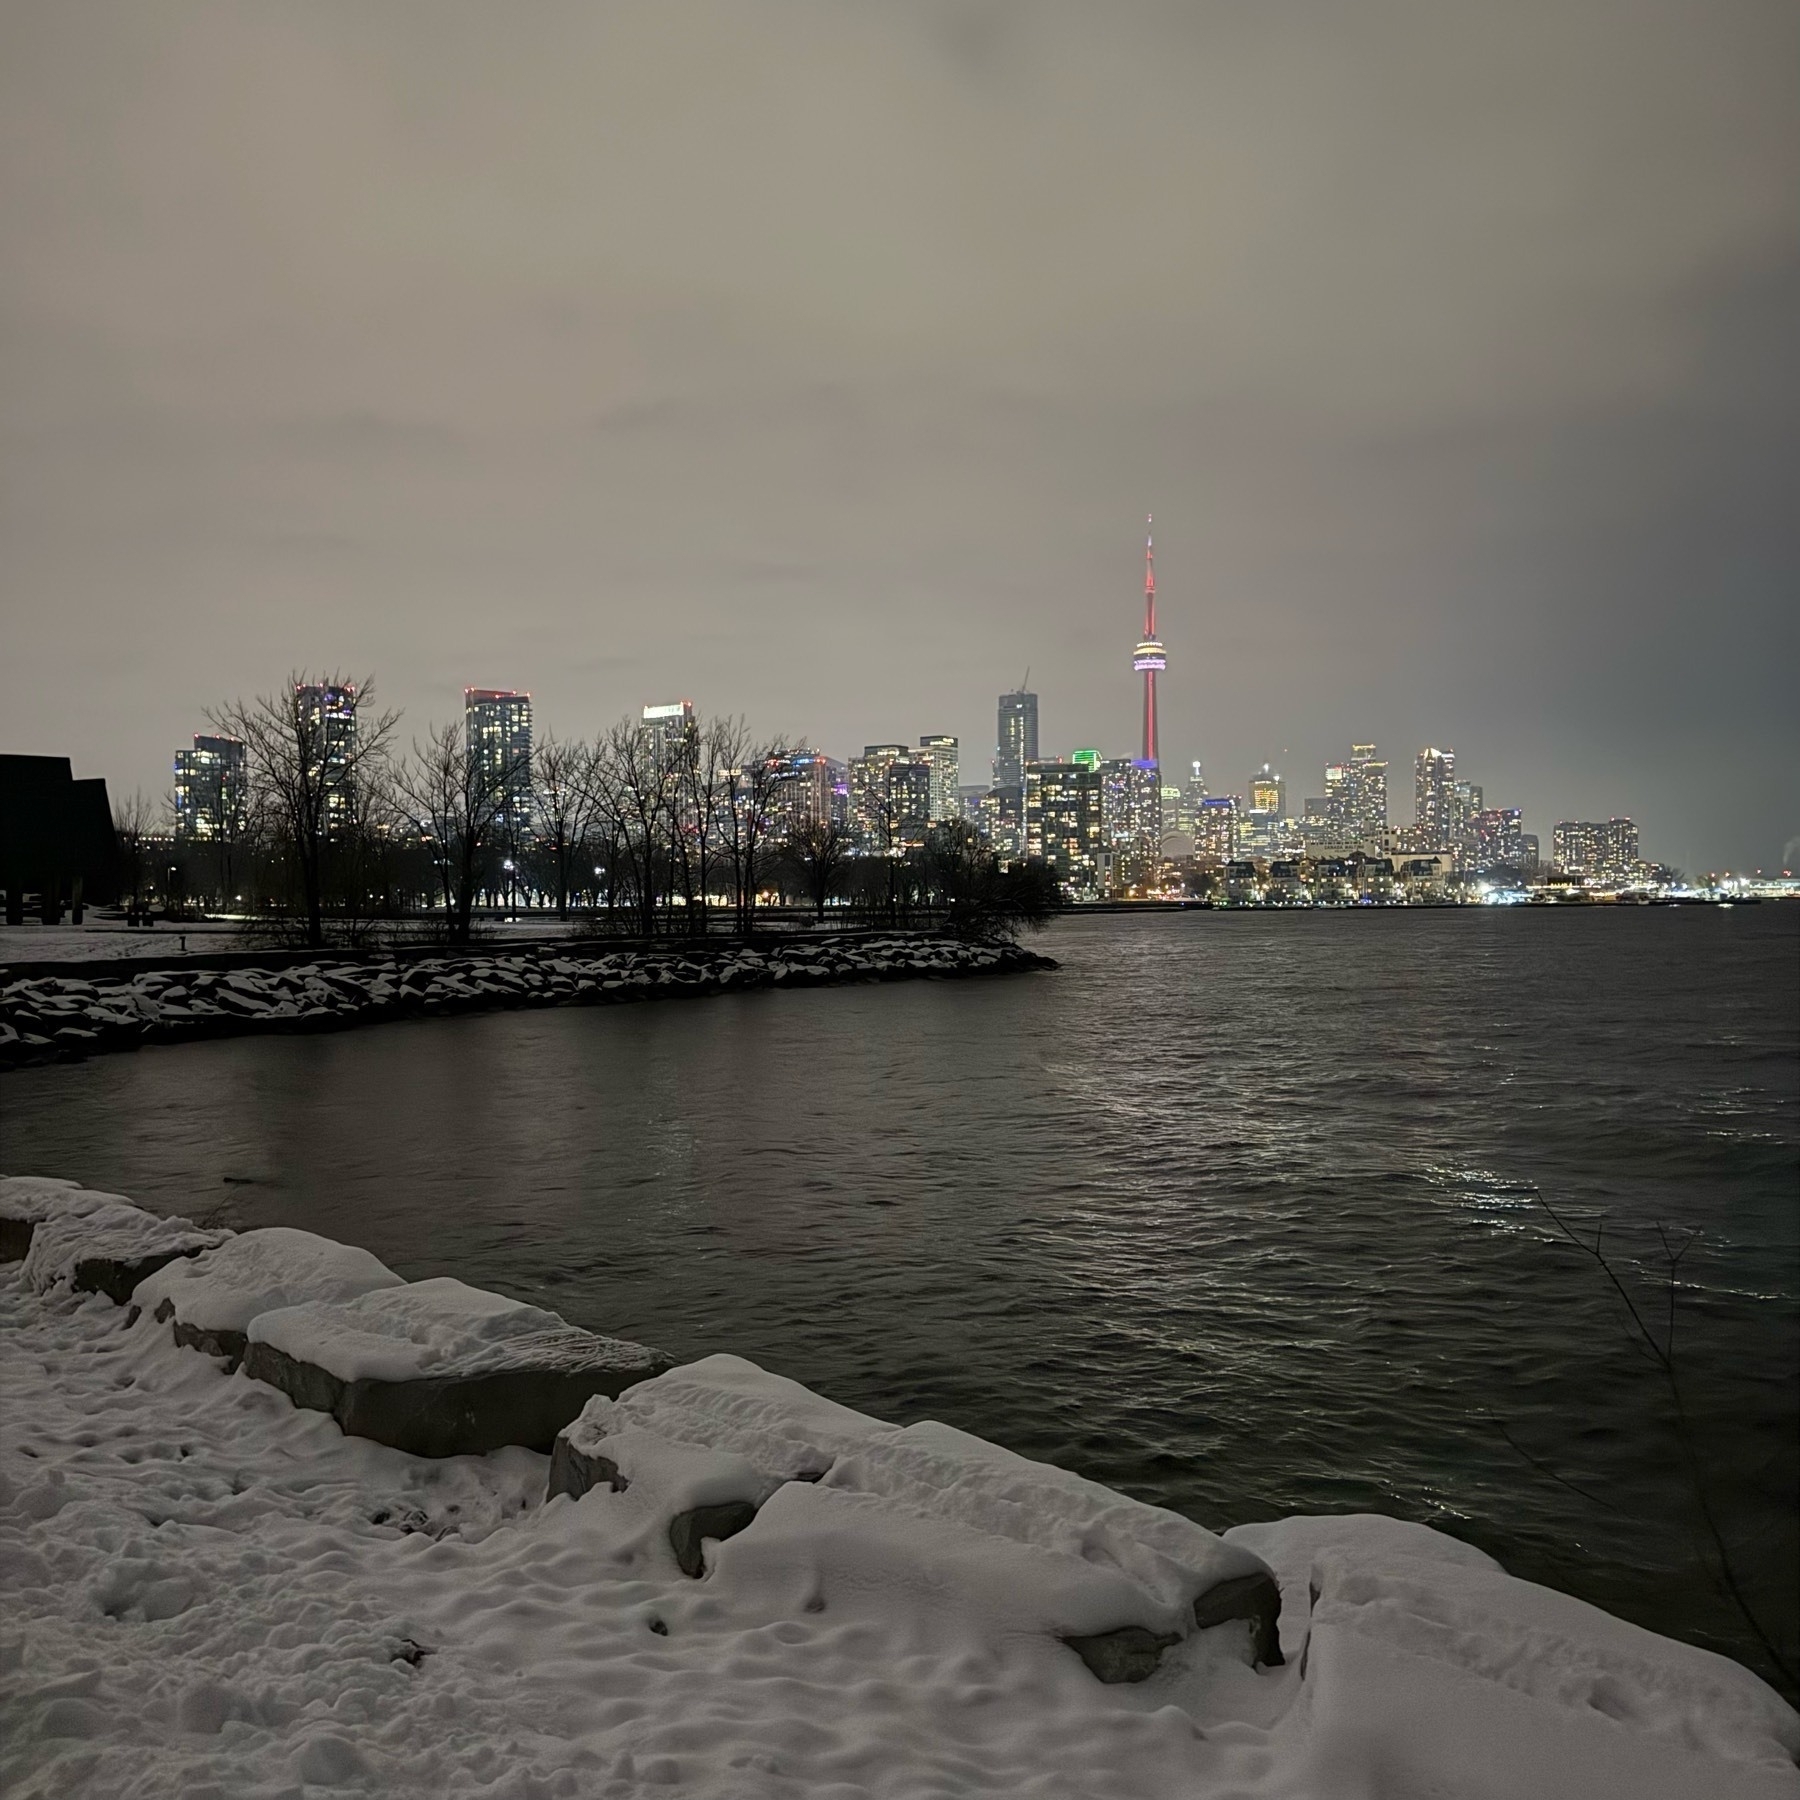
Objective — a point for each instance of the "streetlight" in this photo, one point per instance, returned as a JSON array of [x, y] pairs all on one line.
[[507, 865]]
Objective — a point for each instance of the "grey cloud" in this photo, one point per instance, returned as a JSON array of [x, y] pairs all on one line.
[[819, 362]]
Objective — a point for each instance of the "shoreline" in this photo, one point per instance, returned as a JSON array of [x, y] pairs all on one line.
[[109, 1007], [725, 1585]]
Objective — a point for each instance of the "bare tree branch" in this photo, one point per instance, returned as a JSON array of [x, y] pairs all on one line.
[[1719, 1563]]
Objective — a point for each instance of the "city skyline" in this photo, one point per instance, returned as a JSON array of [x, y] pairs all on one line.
[[1126, 813], [601, 382], [1356, 799]]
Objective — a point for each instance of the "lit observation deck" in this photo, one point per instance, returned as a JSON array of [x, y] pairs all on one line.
[[1149, 655]]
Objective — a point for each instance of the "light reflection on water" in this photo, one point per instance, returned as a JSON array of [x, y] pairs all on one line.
[[1236, 1212]]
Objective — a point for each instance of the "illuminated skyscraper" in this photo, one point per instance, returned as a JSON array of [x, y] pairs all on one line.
[[941, 755], [1435, 811], [209, 790], [1131, 819], [890, 799], [326, 717], [1366, 796], [1216, 826], [1268, 793], [1606, 851], [498, 724], [1063, 821], [1495, 839], [909, 784], [811, 794], [674, 731], [1467, 801], [1017, 743]]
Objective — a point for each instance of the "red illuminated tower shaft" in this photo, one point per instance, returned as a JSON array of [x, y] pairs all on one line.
[[1150, 638], [1149, 657]]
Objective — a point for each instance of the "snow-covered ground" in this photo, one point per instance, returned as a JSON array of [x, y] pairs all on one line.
[[208, 1593], [105, 937], [44, 1017], [98, 939]]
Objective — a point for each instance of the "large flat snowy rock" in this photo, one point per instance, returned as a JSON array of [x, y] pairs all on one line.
[[27, 1199], [1422, 1656], [98, 1243], [784, 1431], [209, 1300], [440, 1368], [720, 1445]]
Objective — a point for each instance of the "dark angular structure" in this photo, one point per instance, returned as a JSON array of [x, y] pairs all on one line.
[[56, 838]]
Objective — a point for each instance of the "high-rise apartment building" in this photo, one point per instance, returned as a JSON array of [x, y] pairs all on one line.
[[941, 756], [1216, 825], [1131, 819], [869, 819], [1063, 821], [1365, 798], [1494, 838], [890, 799], [325, 714], [497, 722], [1017, 741], [813, 792], [909, 792], [1268, 793], [674, 732], [1016, 744], [1436, 809], [210, 790], [1606, 851]]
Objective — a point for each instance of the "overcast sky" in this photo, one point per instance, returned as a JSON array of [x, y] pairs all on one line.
[[820, 362]]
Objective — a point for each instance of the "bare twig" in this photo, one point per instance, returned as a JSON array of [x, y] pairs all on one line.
[[1543, 1468], [1719, 1566]]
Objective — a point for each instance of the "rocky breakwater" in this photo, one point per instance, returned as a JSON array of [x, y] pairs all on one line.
[[718, 1583], [52, 1017], [433, 1367]]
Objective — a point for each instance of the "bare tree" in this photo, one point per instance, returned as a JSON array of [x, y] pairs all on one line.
[[568, 799], [748, 820], [458, 799], [817, 850], [885, 817], [132, 821], [608, 833], [706, 784], [644, 793], [308, 749], [363, 864]]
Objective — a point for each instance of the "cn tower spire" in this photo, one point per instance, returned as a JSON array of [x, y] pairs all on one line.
[[1149, 657], [1149, 577]]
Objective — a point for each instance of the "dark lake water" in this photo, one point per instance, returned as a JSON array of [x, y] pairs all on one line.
[[1237, 1212]]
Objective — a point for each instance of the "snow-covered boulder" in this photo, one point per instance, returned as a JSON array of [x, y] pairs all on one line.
[[779, 1429], [1424, 1646], [27, 1199], [719, 1445], [1191, 1578], [210, 1300], [100, 1244], [439, 1368]]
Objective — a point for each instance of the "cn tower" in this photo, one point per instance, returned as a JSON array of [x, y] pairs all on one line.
[[1149, 657]]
